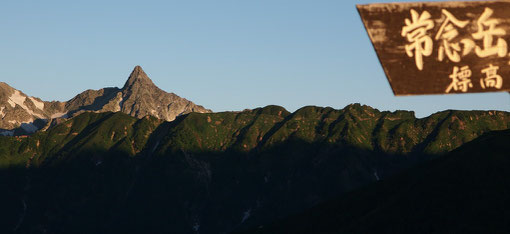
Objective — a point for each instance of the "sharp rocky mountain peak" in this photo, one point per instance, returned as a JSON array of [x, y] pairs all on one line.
[[138, 78], [139, 97]]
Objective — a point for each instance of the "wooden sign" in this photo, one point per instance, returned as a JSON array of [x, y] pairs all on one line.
[[441, 47]]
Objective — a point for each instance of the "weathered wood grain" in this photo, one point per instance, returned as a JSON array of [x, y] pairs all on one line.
[[385, 25]]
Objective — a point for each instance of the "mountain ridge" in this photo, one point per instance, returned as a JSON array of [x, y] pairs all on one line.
[[214, 172], [465, 191], [22, 114]]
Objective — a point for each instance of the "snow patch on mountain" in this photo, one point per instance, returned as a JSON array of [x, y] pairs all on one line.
[[17, 98], [11, 102], [59, 115], [38, 104]]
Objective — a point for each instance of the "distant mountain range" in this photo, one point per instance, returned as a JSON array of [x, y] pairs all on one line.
[[21, 114], [232, 171]]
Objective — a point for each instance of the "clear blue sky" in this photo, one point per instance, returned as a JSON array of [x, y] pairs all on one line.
[[224, 55]]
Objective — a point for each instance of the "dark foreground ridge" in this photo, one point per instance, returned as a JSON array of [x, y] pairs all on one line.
[[213, 172], [465, 191]]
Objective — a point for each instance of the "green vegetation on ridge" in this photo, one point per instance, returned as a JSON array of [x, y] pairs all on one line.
[[213, 168]]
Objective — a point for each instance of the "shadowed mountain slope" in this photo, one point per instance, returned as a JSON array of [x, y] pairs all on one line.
[[212, 172], [466, 191]]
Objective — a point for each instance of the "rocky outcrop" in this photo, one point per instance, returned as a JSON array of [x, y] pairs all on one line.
[[139, 97], [22, 112]]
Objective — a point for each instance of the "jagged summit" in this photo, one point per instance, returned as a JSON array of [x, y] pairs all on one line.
[[138, 77], [139, 97]]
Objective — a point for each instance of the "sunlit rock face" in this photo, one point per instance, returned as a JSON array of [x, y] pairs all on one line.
[[139, 97]]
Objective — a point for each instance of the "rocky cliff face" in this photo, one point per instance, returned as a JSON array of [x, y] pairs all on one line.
[[22, 114], [140, 97]]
